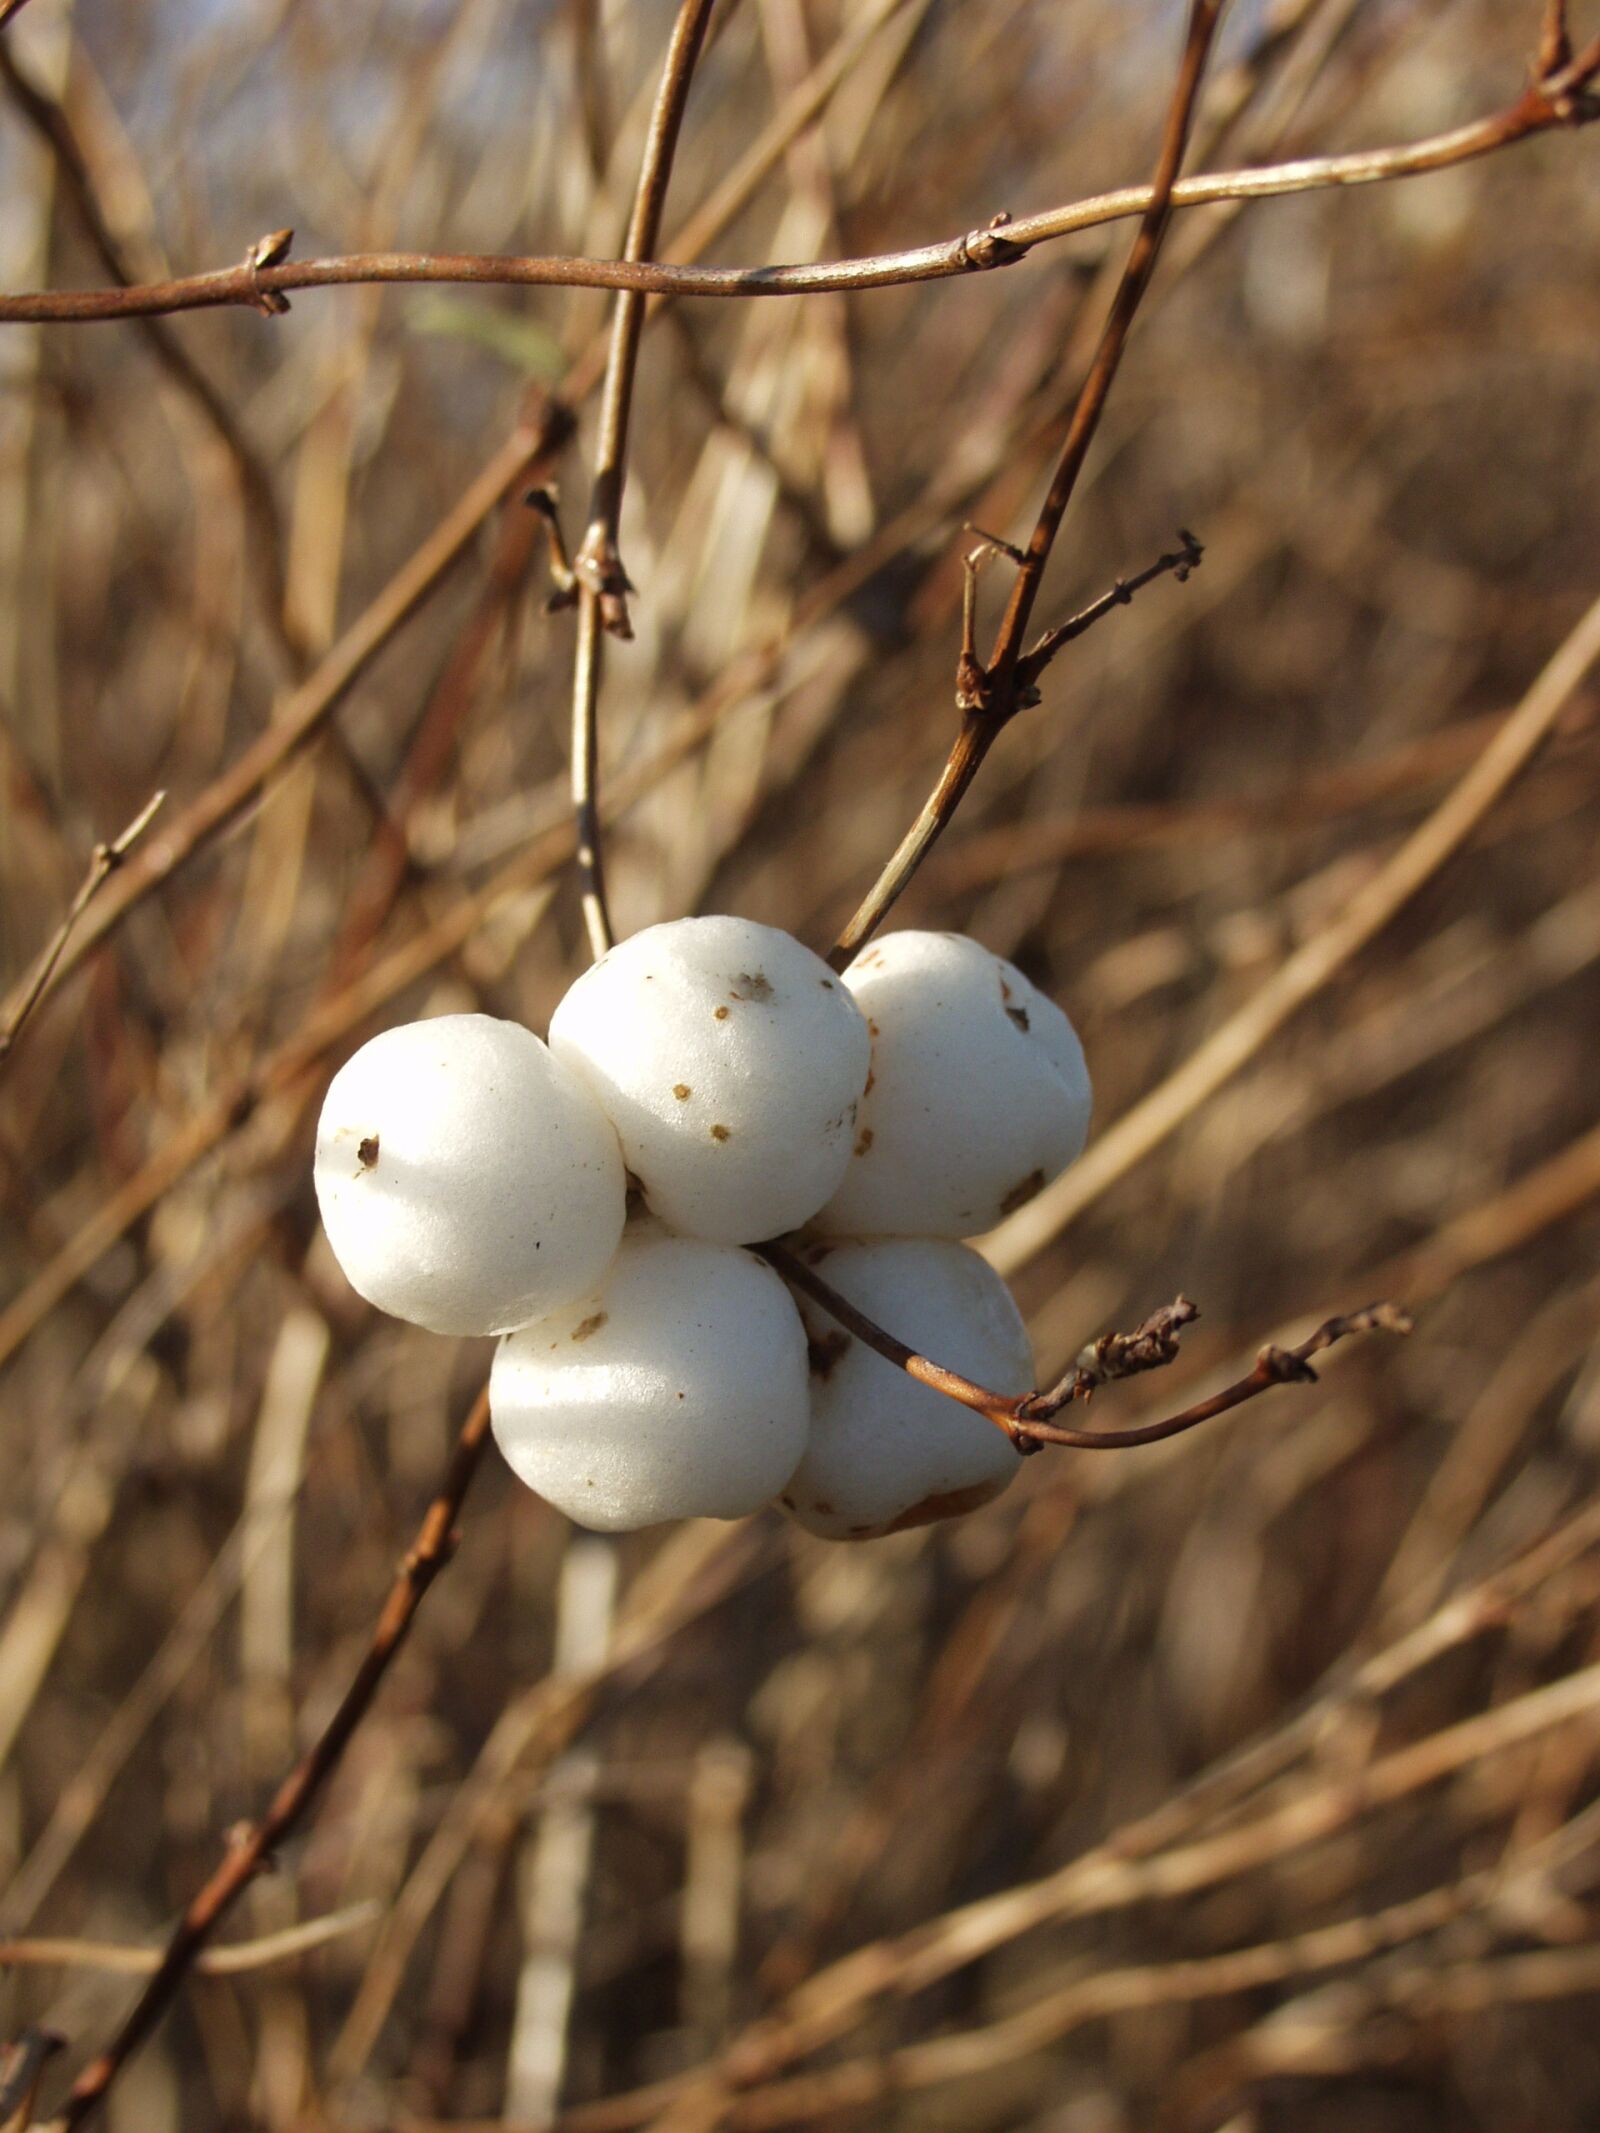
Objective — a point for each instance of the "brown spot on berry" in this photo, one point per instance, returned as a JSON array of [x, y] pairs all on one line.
[[826, 984], [367, 1153], [582, 1331], [872, 1027], [864, 1140], [1019, 1015], [1022, 1192], [719, 1133], [752, 985], [721, 1014], [682, 1091], [1005, 990], [871, 1078]]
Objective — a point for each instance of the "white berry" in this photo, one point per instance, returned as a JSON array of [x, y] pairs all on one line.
[[885, 1452], [468, 1181], [979, 1094], [676, 1390], [731, 1062]]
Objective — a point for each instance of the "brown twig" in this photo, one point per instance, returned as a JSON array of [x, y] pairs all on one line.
[[1551, 102], [1180, 562], [1028, 1420], [250, 1849], [989, 696], [603, 586], [104, 863]]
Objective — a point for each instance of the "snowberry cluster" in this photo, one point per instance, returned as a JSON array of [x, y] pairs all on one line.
[[475, 1181]]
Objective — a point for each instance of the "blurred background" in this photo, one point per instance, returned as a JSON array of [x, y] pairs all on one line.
[[1270, 1758]]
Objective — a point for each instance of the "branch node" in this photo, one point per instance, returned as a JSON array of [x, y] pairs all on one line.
[[269, 251], [982, 249], [1280, 1366], [598, 567]]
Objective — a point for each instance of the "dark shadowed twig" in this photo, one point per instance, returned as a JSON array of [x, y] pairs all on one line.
[[1027, 1419], [23, 2068], [251, 1847], [989, 696], [602, 582], [107, 858]]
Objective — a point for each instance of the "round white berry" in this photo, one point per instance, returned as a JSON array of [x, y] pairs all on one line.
[[978, 1095], [468, 1181], [731, 1062], [676, 1390], [885, 1452]]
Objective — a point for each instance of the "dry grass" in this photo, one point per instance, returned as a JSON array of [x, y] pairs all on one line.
[[1249, 1780]]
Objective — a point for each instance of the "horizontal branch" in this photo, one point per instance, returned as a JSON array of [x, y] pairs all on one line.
[[1560, 99], [1028, 1419]]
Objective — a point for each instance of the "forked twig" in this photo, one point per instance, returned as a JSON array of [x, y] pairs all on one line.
[[1028, 1419], [603, 586], [251, 1847], [1180, 562], [989, 696], [104, 863]]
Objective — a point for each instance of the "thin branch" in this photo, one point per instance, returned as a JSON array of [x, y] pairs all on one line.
[[1273, 1366], [1552, 102], [235, 1960], [104, 863], [251, 1848], [1204, 19], [988, 697], [602, 582], [1179, 561], [1028, 1420]]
